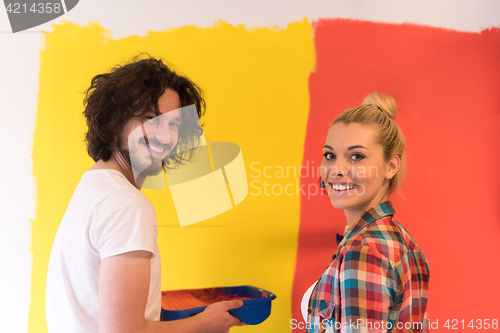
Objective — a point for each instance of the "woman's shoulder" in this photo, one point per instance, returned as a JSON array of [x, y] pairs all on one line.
[[387, 243], [388, 237]]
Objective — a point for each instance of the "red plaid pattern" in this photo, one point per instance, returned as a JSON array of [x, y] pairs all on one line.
[[377, 281]]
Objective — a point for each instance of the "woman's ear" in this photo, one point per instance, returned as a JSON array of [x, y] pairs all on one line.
[[393, 166]]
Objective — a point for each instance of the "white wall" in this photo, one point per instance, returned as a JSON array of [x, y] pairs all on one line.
[[19, 67]]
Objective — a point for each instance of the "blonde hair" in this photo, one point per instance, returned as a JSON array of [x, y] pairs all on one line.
[[379, 110]]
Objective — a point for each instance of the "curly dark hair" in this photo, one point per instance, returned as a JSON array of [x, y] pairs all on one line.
[[114, 98]]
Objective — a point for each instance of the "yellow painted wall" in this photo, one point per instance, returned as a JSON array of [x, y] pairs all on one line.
[[256, 87]]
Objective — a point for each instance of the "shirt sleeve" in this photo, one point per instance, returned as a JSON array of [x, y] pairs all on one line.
[[123, 223], [368, 289]]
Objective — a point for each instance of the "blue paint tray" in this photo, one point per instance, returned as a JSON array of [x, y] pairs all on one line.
[[254, 311]]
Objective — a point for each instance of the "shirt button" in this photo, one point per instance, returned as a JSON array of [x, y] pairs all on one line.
[[309, 310]]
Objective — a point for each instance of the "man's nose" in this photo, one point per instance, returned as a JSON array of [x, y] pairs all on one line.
[[162, 133]]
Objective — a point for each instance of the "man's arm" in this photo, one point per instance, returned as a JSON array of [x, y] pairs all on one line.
[[123, 293]]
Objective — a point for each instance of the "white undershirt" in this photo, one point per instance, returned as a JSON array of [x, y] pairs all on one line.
[[304, 304]]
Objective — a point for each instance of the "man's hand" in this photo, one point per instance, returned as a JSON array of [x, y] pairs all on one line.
[[216, 318], [123, 294]]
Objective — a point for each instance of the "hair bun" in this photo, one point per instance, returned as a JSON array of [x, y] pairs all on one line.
[[384, 101]]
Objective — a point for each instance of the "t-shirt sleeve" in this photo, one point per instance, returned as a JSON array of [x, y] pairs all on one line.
[[122, 223], [368, 288]]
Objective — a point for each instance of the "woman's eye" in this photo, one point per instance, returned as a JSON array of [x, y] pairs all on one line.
[[176, 125], [357, 157], [328, 156]]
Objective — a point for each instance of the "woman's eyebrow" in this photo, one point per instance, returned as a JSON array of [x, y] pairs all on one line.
[[348, 148], [357, 146]]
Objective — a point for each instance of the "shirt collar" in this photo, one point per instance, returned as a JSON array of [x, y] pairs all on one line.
[[376, 212]]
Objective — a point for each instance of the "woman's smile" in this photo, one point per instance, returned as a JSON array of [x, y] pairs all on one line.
[[340, 188]]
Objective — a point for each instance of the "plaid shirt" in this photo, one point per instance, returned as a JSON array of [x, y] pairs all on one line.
[[377, 281]]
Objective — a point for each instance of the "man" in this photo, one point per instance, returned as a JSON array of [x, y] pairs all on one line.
[[104, 270]]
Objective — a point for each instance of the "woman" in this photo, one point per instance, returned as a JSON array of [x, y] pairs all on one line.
[[378, 279]]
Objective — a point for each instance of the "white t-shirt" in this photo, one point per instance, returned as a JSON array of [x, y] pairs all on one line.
[[106, 216]]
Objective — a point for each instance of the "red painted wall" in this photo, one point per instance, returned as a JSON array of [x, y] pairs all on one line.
[[447, 86]]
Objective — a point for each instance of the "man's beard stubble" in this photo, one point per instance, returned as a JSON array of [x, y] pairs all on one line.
[[140, 169]]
